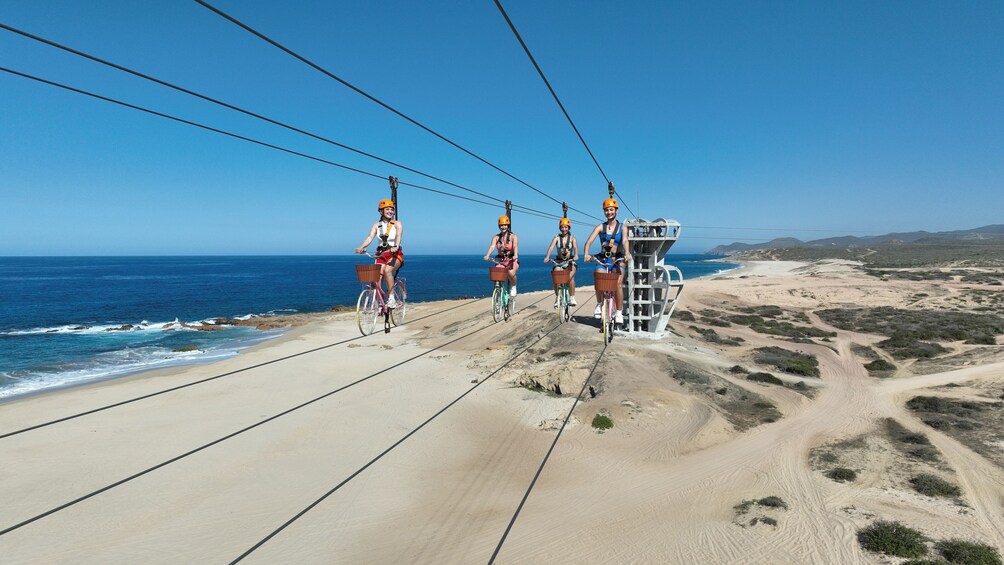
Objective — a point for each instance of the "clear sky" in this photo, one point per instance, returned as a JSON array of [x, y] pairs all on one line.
[[844, 117]]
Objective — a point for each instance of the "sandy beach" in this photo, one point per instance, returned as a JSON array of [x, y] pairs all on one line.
[[203, 473]]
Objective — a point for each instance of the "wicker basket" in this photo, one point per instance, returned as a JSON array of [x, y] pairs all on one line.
[[606, 282], [368, 273], [498, 274], [561, 276]]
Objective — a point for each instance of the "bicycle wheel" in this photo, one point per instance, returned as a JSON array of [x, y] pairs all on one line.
[[367, 311], [401, 296], [604, 313], [565, 308], [560, 310], [610, 320], [508, 301], [562, 304], [497, 303]]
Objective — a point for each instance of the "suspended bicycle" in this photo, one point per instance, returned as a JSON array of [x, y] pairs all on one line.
[[372, 302], [560, 276], [606, 284], [503, 304]]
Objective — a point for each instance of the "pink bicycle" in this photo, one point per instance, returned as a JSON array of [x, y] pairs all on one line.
[[372, 302]]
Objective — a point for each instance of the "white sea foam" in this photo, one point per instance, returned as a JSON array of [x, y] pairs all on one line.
[[86, 329], [114, 364], [145, 325]]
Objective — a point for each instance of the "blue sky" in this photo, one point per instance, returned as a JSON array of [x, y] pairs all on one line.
[[845, 117]]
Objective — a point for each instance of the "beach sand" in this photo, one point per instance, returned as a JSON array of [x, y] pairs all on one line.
[[661, 486]]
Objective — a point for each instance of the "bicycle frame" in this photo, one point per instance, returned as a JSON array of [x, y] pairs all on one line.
[[562, 290], [502, 304], [607, 318], [372, 304]]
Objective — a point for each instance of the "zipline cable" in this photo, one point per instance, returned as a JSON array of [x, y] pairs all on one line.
[[378, 101], [395, 444], [241, 110], [546, 456], [240, 431], [556, 99], [530, 211]]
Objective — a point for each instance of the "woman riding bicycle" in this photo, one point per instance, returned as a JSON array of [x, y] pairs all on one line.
[[614, 257], [567, 251], [506, 245], [388, 252]]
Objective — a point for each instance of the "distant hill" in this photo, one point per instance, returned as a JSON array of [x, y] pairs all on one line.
[[995, 231]]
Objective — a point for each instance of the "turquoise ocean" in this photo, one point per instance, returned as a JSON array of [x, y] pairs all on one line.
[[61, 317]]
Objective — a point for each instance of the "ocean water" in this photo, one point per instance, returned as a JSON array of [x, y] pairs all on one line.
[[60, 317]]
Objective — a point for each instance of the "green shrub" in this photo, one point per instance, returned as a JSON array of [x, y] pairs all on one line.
[[766, 378], [689, 375], [712, 336], [736, 369], [903, 346], [937, 325], [880, 365], [842, 474], [898, 433], [601, 422], [788, 361], [982, 339], [686, 316], [721, 391], [968, 553], [768, 520], [772, 502], [924, 453], [932, 485], [892, 538], [944, 405]]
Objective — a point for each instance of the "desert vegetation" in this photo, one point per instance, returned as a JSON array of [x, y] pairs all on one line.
[[788, 361]]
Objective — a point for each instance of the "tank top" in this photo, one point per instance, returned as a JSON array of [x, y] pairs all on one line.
[[611, 243], [387, 232], [504, 248], [564, 249]]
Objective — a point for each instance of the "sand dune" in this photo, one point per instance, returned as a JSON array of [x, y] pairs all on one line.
[[660, 487]]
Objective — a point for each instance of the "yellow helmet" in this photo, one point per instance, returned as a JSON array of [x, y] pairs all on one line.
[[504, 220], [564, 222], [610, 203], [384, 204]]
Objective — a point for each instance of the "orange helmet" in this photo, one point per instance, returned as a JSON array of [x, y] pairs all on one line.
[[564, 222], [504, 220], [384, 204], [610, 203]]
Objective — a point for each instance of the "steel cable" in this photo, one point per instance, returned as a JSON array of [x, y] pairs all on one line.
[[372, 98]]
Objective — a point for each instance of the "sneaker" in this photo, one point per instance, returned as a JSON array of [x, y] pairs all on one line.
[[392, 302], [555, 302], [598, 312], [571, 301], [512, 291], [618, 317]]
